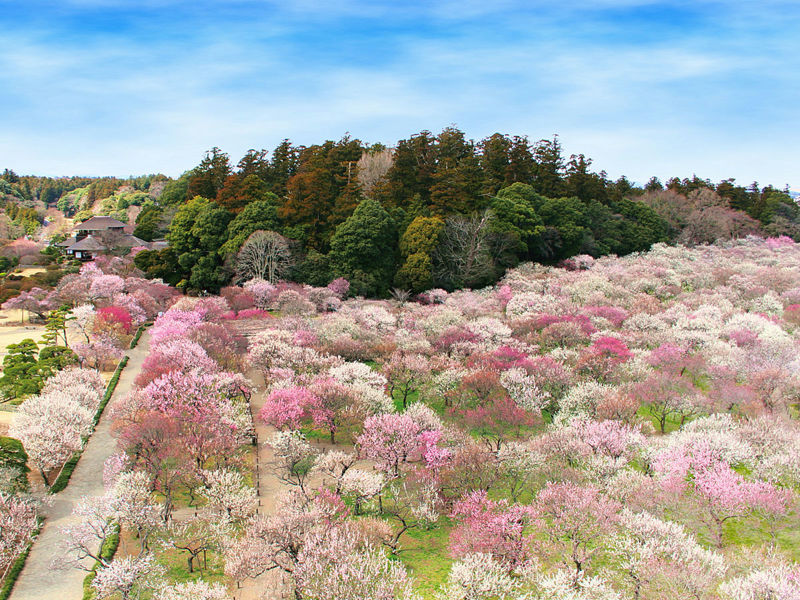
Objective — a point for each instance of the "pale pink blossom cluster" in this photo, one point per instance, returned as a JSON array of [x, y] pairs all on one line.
[[674, 339], [263, 292], [340, 287], [53, 425], [227, 493], [174, 324], [18, 521], [100, 353], [125, 575], [495, 527], [273, 350], [103, 287], [603, 431], [780, 582], [181, 432], [36, 301], [390, 440], [103, 284], [323, 555]]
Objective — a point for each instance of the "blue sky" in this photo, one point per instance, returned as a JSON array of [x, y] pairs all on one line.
[[117, 87]]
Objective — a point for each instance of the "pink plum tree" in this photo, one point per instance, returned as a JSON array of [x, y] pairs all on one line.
[[18, 521], [492, 527], [575, 519], [390, 440]]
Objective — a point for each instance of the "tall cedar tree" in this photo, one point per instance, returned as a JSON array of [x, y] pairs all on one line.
[[313, 191]]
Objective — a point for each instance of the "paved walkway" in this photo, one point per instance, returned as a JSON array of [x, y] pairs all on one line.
[[270, 585], [39, 580]]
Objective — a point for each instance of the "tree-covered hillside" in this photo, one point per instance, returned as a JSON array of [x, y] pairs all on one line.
[[433, 211]]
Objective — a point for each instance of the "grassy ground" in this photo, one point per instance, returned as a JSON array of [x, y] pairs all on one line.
[[175, 562], [426, 557], [751, 532], [671, 424], [398, 399]]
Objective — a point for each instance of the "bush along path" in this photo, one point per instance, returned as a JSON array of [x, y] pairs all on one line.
[[64, 475], [39, 580]]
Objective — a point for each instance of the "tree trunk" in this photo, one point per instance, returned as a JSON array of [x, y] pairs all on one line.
[[637, 588], [717, 530], [396, 540], [167, 506]]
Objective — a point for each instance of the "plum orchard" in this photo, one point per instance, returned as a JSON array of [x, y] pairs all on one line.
[[621, 429]]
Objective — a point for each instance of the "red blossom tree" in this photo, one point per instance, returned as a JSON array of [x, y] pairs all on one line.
[[603, 356], [111, 317]]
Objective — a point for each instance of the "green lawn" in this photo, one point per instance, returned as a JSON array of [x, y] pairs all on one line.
[[671, 424], [175, 563], [426, 557]]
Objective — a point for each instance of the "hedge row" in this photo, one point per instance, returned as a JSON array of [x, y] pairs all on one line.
[[66, 471], [112, 385], [138, 334], [107, 552], [16, 568]]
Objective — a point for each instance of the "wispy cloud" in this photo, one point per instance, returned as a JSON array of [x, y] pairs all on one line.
[[644, 87]]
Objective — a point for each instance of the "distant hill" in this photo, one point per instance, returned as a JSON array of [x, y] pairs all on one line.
[[402, 216]]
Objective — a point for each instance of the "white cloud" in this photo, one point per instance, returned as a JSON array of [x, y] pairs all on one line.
[[120, 103]]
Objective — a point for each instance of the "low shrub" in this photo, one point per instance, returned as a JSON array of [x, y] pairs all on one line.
[[107, 552]]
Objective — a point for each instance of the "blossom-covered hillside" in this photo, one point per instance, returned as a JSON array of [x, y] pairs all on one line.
[[623, 428]]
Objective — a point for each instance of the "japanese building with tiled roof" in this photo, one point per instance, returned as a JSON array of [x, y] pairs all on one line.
[[99, 235], [100, 223]]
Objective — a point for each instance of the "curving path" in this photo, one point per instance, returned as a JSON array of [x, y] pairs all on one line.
[[39, 580]]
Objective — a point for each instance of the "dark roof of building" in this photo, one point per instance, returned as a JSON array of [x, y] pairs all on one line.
[[88, 243], [66, 243], [99, 223], [129, 241], [91, 243]]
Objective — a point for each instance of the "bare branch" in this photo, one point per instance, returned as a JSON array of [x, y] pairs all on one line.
[[265, 255]]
